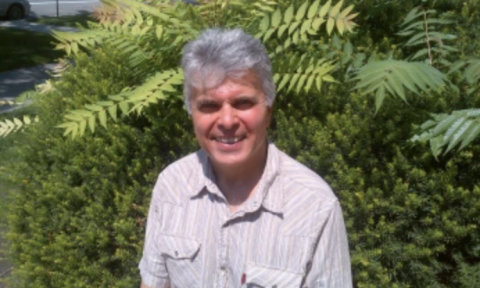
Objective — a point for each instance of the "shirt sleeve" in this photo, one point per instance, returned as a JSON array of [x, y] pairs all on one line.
[[330, 265], [152, 266]]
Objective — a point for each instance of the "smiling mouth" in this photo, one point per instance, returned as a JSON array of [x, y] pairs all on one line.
[[229, 140]]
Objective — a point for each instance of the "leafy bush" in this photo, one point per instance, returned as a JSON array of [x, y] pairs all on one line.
[[78, 212], [78, 217]]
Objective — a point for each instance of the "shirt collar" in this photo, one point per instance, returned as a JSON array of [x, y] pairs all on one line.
[[270, 199]]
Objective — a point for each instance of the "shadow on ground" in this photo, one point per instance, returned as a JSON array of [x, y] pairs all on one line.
[[13, 83]]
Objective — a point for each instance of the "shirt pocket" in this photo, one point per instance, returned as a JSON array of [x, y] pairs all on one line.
[[178, 248], [182, 260], [263, 277], [285, 253]]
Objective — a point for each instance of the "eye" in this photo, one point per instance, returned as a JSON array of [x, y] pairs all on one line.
[[244, 104], [208, 107]]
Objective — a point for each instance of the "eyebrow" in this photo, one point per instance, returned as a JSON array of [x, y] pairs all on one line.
[[243, 98], [208, 100], [203, 101]]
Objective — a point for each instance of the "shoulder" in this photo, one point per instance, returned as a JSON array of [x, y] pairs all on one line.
[[300, 182], [181, 178], [185, 167]]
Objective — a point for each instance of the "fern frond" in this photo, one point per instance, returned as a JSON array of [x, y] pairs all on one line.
[[297, 24], [71, 41], [139, 6], [446, 131], [131, 20], [301, 72], [395, 77], [7, 102], [417, 26], [472, 72], [15, 125], [263, 7], [154, 89], [20, 99], [79, 119]]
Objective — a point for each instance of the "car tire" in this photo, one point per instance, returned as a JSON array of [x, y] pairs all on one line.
[[15, 12]]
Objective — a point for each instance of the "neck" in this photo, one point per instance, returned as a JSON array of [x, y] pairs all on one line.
[[238, 183]]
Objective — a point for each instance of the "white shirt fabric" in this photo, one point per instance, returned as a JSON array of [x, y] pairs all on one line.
[[289, 233]]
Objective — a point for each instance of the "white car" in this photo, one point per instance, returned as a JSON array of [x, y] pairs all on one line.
[[14, 9]]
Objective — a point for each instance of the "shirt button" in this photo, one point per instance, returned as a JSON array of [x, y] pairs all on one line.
[[176, 253]]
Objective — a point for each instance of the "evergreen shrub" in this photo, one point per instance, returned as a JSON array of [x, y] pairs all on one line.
[[78, 218], [78, 208]]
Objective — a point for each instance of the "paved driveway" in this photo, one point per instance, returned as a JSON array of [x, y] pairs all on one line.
[[13, 83]]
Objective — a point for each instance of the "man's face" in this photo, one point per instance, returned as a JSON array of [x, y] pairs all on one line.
[[231, 121]]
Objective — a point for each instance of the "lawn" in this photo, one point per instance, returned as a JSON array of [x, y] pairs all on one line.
[[21, 48], [70, 21]]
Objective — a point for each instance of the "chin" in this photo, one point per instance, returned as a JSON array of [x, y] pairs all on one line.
[[228, 160]]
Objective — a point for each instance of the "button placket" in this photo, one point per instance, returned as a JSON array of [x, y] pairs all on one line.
[[222, 256]]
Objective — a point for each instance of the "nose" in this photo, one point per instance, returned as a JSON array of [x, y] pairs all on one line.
[[227, 118]]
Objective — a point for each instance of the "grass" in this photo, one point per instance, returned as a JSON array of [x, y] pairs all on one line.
[[22, 48], [69, 21]]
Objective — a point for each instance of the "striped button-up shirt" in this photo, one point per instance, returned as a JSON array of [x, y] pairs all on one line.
[[289, 233]]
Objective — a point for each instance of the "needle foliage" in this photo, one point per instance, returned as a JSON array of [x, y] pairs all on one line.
[[355, 81]]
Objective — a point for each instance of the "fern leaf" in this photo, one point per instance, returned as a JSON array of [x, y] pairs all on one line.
[[301, 11], [306, 21], [8, 126], [379, 97], [276, 18], [330, 25], [340, 26], [336, 9], [470, 134], [102, 116], [414, 13], [288, 16], [472, 72], [394, 75], [457, 137], [313, 9], [324, 10], [448, 131]]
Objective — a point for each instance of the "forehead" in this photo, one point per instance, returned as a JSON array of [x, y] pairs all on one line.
[[246, 82]]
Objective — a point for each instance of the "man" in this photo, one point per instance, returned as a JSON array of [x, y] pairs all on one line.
[[239, 212]]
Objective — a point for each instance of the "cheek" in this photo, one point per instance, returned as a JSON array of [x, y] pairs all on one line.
[[257, 124], [201, 126]]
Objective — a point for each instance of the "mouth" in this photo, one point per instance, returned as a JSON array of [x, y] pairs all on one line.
[[229, 140]]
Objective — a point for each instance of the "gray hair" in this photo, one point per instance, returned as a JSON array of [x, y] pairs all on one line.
[[219, 53]]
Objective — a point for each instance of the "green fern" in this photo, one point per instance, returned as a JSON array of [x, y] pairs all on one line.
[[446, 131], [297, 24], [158, 87], [420, 30], [397, 78], [7, 102], [15, 125], [20, 99], [472, 72], [222, 13], [301, 72]]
